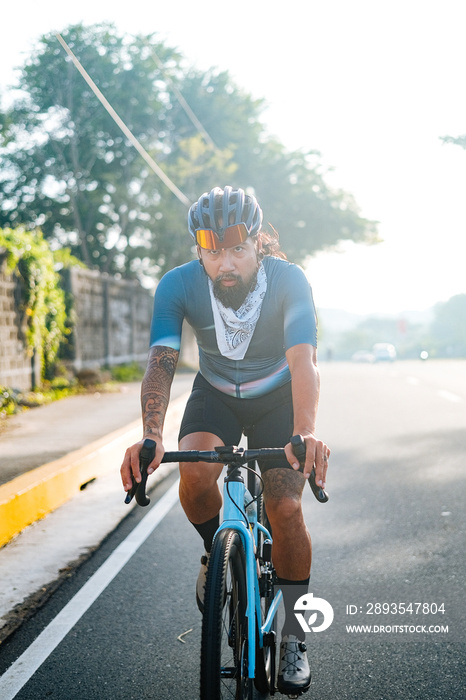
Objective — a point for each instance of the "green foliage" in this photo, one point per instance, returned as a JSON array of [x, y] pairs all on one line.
[[42, 304], [13, 401], [65, 260], [455, 140], [449, 327], [132, 372], [8, 401], [70, 170]]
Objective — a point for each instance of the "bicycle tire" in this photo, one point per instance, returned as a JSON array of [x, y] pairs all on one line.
[[224, 623]]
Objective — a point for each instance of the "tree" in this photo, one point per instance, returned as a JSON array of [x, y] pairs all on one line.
[[290, 186], [456, 140], [448, 328], [69, 169]]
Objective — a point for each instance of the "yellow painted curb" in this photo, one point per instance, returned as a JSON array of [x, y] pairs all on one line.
[[33, 495]]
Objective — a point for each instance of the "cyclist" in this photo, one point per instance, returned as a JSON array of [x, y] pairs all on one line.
[[254, 319]]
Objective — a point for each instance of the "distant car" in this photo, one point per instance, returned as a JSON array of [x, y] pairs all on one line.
[[363, 356], [384, 352]]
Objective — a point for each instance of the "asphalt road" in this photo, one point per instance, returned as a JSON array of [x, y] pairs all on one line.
[[393, 532]]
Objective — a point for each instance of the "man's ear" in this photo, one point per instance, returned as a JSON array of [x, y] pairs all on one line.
[[198, 249]]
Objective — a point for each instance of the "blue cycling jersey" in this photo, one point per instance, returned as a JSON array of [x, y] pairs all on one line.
[[287, 318]]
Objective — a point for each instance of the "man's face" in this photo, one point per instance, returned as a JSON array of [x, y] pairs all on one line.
[[233, 271]]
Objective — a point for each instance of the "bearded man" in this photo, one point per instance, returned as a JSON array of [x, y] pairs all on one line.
[[254, 319]]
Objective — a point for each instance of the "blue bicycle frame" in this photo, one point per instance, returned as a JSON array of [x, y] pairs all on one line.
[[235, 493]]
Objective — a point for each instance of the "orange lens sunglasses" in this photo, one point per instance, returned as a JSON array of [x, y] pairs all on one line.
[[233, 235]]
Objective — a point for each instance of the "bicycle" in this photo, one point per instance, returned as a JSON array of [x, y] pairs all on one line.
[[238, 644]]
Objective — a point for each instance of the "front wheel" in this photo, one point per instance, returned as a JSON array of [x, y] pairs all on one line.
[[224, 623]]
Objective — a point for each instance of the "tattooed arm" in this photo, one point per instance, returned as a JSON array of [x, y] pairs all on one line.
[[155, 395], [155, 389]]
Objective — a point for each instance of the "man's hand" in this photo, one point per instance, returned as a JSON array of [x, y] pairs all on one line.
[[317, 454], [130, 465]]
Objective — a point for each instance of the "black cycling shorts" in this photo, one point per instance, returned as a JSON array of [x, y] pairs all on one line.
[[267, 421]]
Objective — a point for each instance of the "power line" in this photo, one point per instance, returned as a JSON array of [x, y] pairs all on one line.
[[141, 150], [195, 121]]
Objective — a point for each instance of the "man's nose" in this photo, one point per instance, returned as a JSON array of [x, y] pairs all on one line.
[[226, 261]]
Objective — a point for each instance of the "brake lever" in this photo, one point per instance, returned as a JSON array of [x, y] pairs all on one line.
[[299, 451], [138, 490]]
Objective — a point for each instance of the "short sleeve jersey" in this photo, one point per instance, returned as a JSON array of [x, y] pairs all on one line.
[[287, 318]]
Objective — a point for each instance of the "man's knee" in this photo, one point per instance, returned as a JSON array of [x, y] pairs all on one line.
[[282, 494], [283, 510], [198, 478]]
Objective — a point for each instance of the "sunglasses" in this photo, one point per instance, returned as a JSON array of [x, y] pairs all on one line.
[[232, 236]]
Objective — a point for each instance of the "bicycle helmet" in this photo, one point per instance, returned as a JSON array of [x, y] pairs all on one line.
[[219, 210]]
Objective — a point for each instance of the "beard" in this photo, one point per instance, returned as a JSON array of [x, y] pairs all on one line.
[[233, 297]]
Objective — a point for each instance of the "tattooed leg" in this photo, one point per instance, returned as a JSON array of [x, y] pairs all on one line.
[[292, 551], [155, 389]]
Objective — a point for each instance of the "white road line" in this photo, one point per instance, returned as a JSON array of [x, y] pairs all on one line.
[[449, 396], [27, 664]]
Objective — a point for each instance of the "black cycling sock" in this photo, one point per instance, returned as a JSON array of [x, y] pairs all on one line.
[[292, 590], [207, 531]]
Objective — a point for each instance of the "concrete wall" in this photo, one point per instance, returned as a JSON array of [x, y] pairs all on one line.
[[111, 319], [16, 363]]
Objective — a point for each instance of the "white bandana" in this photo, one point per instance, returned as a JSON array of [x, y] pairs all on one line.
[[234, 329]]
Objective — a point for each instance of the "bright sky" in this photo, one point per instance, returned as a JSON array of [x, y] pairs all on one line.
[[371, 84]]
